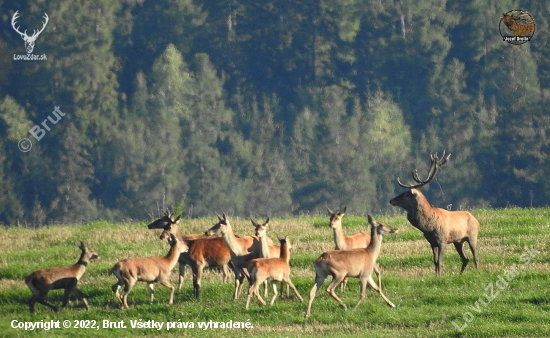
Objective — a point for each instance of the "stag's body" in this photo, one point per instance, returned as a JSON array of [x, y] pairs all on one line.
[[205, 256], [439, 226], [66, 277], [276, 269], [243, 249], [150, 270], [358, 263], [355, 241]]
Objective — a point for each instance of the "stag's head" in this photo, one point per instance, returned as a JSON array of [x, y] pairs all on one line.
[[336, 218], [410, 199], [219, 229], [29, 40], [167, 220], [260, 230]]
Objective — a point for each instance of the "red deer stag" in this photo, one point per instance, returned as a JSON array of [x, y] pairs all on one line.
[[438, 225], [243, 249], [357, 263], [150, 270], [355, 241], [66, 277], [170, 223], [276, 269]]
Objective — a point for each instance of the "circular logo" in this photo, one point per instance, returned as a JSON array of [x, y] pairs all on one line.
[[516, 27], [24, 144]]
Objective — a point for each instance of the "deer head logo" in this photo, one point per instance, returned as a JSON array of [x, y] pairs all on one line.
[[29, 40]]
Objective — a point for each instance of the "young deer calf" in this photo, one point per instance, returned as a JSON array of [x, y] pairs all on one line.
[[276, 269], [358, 263], [150, 270], [65, 277]]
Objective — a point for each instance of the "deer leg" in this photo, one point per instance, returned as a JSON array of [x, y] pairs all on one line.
[[289, 283], [274, 284], [81, 295], [378, 273], [226, 273], [460, 249], [363, 291], [238, 282], [172, 289], [375, 287], [472, 242], [128, 285], [40, 298], [344, 284], [66, 295], [115, 289], [197, 277], [438, 257], [266, 286], [319, 280], [181, 275], [150, 289], [337, 279]]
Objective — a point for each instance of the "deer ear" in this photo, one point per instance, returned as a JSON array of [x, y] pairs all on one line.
[[344, 210], [177, 220], [329, 211], [253, 222], [224, 217], [81, 245], [266, 222]]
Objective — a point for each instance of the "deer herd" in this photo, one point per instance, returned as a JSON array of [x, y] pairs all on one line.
[[257, 259]]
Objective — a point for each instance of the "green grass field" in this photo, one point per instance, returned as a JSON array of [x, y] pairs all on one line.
[[506, 297]]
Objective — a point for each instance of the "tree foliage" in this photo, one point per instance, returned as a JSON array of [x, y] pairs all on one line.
[[268, 108]]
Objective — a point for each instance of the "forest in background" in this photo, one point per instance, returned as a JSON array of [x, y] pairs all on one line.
[[268, 108]]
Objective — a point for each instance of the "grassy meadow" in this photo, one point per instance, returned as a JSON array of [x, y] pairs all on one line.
[[508, 296]]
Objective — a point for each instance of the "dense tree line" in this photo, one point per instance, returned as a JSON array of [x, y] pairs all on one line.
[[268, 107]]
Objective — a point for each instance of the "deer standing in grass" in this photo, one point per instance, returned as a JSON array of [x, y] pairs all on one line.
[[150, 270], [66, 277], [169, 223], [203, 253], [357, 263], [439, 226], [268, 251], [243, 249], [355, 241], [276, 269]]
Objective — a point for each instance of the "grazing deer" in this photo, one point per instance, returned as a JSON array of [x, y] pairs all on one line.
[[358, 263], [150, 270], [243, 249], [66, 277], [203, 252], [169, 223], [276, 269], [355, 241], [438, 225]]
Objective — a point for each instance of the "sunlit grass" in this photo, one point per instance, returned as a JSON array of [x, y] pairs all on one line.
[[426, 305]]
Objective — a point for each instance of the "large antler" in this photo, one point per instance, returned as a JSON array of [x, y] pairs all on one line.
[[434, 168]]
